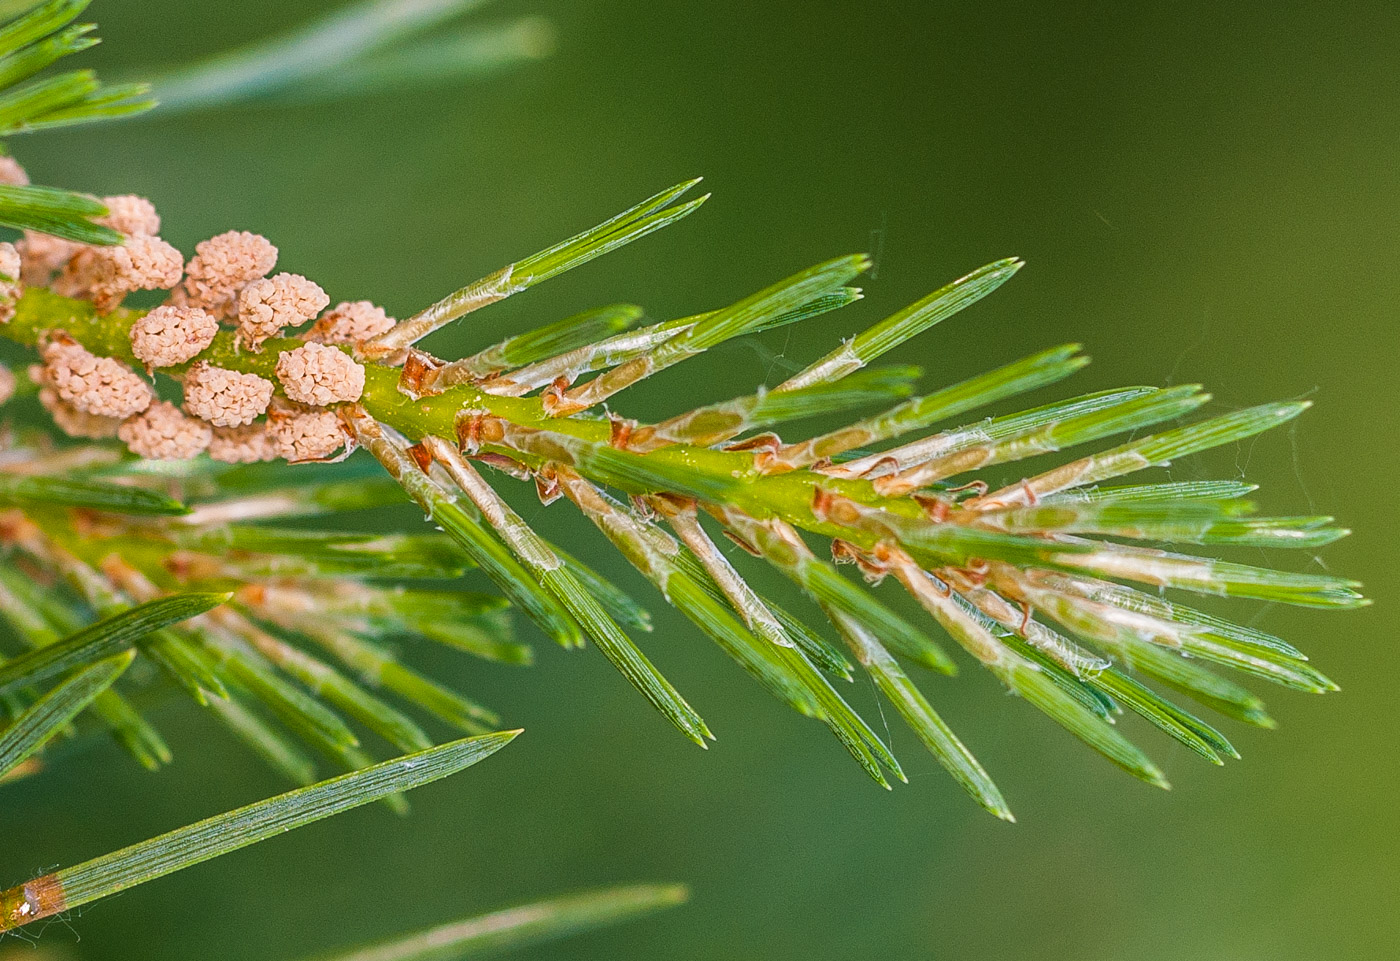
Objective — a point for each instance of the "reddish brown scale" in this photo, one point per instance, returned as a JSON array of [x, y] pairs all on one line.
[[475, 428], [41, 898], [881, 465], [620, 431], [976, 571], [553, 399], [556, 404], [419, 371], [844, 552], [492, 430], [833, 508], [547, 488], [766, 463], [766, 448], [469, 432], [766, 441], [506, 464], [421, 457], [883, 552], [935, 508]]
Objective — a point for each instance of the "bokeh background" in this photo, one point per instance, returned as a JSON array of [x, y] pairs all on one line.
[[1203, 192]]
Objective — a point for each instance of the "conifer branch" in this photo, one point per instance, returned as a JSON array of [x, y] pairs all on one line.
[[1033, 580], [176, 546]]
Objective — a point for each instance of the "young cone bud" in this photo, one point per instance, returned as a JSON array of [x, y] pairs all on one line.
[[302, 433], [92, 384], [161, 432], [318, 375], [107, 274], [221, 267], [172, 335], [74, 422], [249, 444], [225, 398], [131, 215], [350, 322], [266, 307]]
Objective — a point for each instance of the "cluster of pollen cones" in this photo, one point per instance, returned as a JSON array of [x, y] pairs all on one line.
[[236, 417]]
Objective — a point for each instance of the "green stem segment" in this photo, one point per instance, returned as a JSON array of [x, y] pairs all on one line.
[[785, 495]]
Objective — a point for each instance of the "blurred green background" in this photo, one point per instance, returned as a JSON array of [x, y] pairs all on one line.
[[1203, 192]]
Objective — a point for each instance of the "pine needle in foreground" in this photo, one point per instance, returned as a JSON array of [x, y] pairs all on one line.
[[71, 887]]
